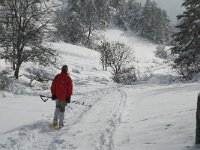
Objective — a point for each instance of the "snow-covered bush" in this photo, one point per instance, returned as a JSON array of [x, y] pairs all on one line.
[[45, 86], [4, 79], [161, 52], [126, 76], [38, 74], [187, 72], [146, 74], [115, 55]]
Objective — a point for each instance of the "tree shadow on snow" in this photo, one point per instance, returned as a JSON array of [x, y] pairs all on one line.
[[194, 147]]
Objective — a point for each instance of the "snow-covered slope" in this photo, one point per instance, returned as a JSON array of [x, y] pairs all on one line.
[[145, 60], [84, 64], [138, 117]]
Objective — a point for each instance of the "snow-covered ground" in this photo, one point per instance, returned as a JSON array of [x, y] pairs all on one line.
[[151, 115]]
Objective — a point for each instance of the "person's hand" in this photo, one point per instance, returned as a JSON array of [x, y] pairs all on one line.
[[53, 97], [68, 100]]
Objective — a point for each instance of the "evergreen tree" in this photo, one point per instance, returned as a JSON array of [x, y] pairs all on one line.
[[120, 18], [134, 11], [154, 24], [1, 31], [89, 20], [116, 3], [68, 25], [187, 40], [76, 22], [103, 12], [68, 22], [162, 26]]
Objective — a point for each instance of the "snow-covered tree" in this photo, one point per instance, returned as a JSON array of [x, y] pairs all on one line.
[[105, 54], [69, 28], [187, 40], [89, 20], [76, 21], [134, 13], [103, 12], [154, 24], [161, 52], [24, 25], [116, 3], [120, 18], [149, 20]]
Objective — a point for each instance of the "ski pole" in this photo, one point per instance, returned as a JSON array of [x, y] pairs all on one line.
[[44, 98]]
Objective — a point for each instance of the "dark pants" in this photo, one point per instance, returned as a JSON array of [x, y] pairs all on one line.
[[59, 111], [61, 105]]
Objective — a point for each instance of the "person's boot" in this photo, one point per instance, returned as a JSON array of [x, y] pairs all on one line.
[[55, 124], [56, 116], [61, 118], [61, 125]]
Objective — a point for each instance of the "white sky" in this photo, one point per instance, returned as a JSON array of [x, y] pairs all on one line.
[[173, 7]]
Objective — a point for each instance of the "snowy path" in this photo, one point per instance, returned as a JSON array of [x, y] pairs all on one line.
[[139, 117], [85, 128], [95, 129], [158, 118]]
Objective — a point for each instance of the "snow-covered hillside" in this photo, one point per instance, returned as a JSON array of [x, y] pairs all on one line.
[[145, 61], [144, 116]]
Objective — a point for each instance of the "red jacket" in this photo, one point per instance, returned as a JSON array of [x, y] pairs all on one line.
[[62, 86]]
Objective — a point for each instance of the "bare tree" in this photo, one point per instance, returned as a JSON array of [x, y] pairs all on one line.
[[105, 51], [24, 25], [120, 56], [115, 55]]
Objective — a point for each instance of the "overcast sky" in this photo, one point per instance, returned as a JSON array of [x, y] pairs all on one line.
[[173, 7]]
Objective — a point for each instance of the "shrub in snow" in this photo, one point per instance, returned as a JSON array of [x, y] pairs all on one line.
[[161, 52], [4, 79], [187, 72], [45, 86], [126, 76], [38, 74], [146, 74], [115, 55], [120, 56]]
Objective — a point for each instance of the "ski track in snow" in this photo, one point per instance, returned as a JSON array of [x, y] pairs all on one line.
[[39, 136], [116, 120], [152, 116], [106, 137]]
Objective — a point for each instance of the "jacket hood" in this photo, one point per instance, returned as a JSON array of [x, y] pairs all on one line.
[[64, 72]]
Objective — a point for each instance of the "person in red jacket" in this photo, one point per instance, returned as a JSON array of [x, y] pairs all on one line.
[[61, 90]]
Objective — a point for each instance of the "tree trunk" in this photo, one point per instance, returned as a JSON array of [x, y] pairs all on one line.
[[198, 121], [90, 30], [13, 65], [13, 62], [16, 74]]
